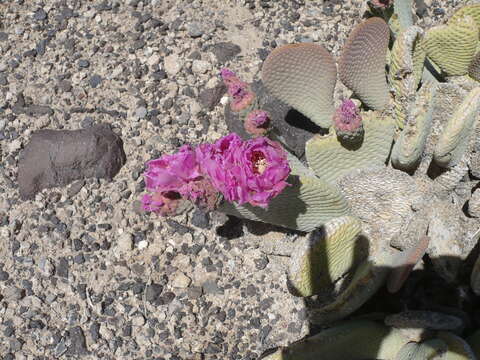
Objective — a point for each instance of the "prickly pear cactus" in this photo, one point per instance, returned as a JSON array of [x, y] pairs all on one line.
[[382, 183]]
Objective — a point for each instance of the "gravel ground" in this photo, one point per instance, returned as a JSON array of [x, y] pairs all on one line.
[[82, 274]]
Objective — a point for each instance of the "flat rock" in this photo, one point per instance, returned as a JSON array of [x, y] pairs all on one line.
[[58, 157]]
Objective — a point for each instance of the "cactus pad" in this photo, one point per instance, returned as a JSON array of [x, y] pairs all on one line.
[[406, 64], [362, 64], [303, 76], [452, 47], [409, 147], [327, 254], [304, 206], [469, 10], [403, 9], [330, 159], [368, 278], [458, 349], [454, 140], [351, 340]]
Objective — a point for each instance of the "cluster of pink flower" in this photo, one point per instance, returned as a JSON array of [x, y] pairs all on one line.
[[252, 171]]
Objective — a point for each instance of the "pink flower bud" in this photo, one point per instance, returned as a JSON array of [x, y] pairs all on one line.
[[347, 121], [238, 90], [257, 122]]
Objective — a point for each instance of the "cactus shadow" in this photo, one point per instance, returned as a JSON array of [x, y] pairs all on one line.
[[424, 290]]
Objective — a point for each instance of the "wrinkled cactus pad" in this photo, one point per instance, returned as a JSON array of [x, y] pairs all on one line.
[[362, 64], [456, 135], [452, 47], [305, 205], [325, 256], [303, 76], [330, 159]]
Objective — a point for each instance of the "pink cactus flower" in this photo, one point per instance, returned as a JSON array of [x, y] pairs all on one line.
[[257, 122], [252, 171], [238, 90], [162, 203], [173, 177]]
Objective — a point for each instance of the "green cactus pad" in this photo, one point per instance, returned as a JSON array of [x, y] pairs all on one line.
[[452, 47], [368, 278], [325, 256], [409, 147], [303, 76], [427, 350], [469, 10], [474, 68], [474, 341], [351, 340], [432, 349], [454, 140], [458, 349], [406, 65], [304, 206], [362, 64], [330, 159], [403, 10]]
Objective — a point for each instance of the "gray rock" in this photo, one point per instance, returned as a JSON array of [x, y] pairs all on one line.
[[141, 112], [95, 80], [40, 14], [200, 219], [289, 127], [3, 80], [78, 344], [209, 98], [82, 63], [56, 158], [62, 268], [225, 51], [153, 291], [194, 29], [65, 85]]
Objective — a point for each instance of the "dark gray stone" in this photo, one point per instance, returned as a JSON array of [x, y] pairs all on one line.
[[65, 85], [58, 157], [3, 36], [289, 127], [3, 80], [200, 219], [82, 63], [62, 267], [40, 14], [95, 80], [225, 51], [78, 344], [41, 47], [209, 98], [152, 292]]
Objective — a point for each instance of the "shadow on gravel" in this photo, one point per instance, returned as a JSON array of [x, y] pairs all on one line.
[[423, 290]]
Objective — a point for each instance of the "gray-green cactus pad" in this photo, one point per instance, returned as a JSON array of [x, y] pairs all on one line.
[[326, 255], [406, 64], [330, 159], [361, 66], [352, 340], [303, 76], [458, 349], [409, 147], [455, 138], [368, 278], [452, 47], [304, 206]]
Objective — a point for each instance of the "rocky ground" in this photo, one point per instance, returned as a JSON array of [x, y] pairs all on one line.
[[82, 273]]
